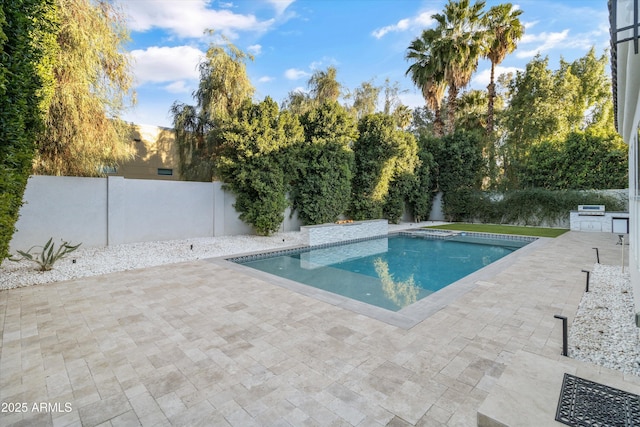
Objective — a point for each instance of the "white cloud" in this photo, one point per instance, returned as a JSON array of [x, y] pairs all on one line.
[[166, 64], [179, 86], [326, 60], [483, 77], [421, 21], [546, 41], [189, 18], [280, 5], [265, 79], [255, 49], [295, 74]]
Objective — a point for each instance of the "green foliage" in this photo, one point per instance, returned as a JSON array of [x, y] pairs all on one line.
[[400, 189], [323, 86], [459, 160], [546, 105], [382, 154], [48, 256], [420, 197], [321, 189], [461, 204], [254, 162], [25, 85], [583, 161], [365, 99], [524, 207], [223, 90], [459, 169], [93, 85], [459, 47], [504, 29], [536, 206]]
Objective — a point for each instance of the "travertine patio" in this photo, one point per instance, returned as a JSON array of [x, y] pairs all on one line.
[[200, 344]]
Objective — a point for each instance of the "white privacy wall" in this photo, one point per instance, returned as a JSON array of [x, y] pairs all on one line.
[[166, 209], [67, 208], [109, 211]]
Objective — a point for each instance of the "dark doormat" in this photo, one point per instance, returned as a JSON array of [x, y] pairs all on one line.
[[584, 403]]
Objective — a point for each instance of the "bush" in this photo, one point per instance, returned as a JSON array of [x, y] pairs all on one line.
[[323, 164], [255, 162], [322, 188], [382, 155], [582, 161], [523, 207]]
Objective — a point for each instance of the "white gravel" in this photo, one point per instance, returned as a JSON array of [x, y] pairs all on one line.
[[96, 261], [603, 331]]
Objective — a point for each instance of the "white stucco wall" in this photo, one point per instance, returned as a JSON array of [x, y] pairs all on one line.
[[109, 211], [166, 210], [65, 208], [628, 119]]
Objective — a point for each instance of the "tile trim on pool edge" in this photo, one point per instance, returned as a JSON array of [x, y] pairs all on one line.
[[405, 318]]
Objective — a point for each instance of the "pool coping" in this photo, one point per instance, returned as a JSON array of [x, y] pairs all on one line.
[[407, 317]]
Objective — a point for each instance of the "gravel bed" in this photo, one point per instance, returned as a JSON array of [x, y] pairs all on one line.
[[603, 331], [96, 261]]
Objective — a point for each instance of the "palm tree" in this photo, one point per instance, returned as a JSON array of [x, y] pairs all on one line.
[[402, 116], [459, 47], [503, 32], [427, 73]]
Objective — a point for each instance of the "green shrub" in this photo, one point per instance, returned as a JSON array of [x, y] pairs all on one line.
[[323, 164], [382, 155], [523, 207], [255, 162]]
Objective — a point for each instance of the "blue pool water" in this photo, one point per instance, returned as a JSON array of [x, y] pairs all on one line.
[[391, 272]]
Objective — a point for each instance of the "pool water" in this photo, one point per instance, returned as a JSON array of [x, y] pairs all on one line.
[[390, 272]]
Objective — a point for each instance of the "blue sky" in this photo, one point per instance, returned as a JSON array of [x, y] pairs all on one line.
[[364, 39]]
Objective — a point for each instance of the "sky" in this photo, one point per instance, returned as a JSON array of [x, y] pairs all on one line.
[[365, 40]]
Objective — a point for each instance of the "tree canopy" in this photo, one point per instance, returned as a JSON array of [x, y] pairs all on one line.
[[223, 90], [93, 82]]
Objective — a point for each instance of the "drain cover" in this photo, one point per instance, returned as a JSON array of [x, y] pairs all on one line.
[[585, 403]]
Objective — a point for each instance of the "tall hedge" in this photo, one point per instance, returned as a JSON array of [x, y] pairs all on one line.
[[383, 154], [255, 162], [459, 170], [25, 77], [321, 188], [582, 161]]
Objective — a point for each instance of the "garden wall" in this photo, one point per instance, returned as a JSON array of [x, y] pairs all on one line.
[[114, 210]]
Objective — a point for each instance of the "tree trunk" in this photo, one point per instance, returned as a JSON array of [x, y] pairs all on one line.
[[437, 123], [452, 106], [492, 94]]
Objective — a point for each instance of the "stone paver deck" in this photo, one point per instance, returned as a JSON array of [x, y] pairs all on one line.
[[200, 344]]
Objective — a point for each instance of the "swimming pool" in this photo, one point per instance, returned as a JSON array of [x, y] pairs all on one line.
[[390, 272]]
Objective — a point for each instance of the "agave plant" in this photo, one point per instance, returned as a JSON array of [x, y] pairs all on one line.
[[48, 256]]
